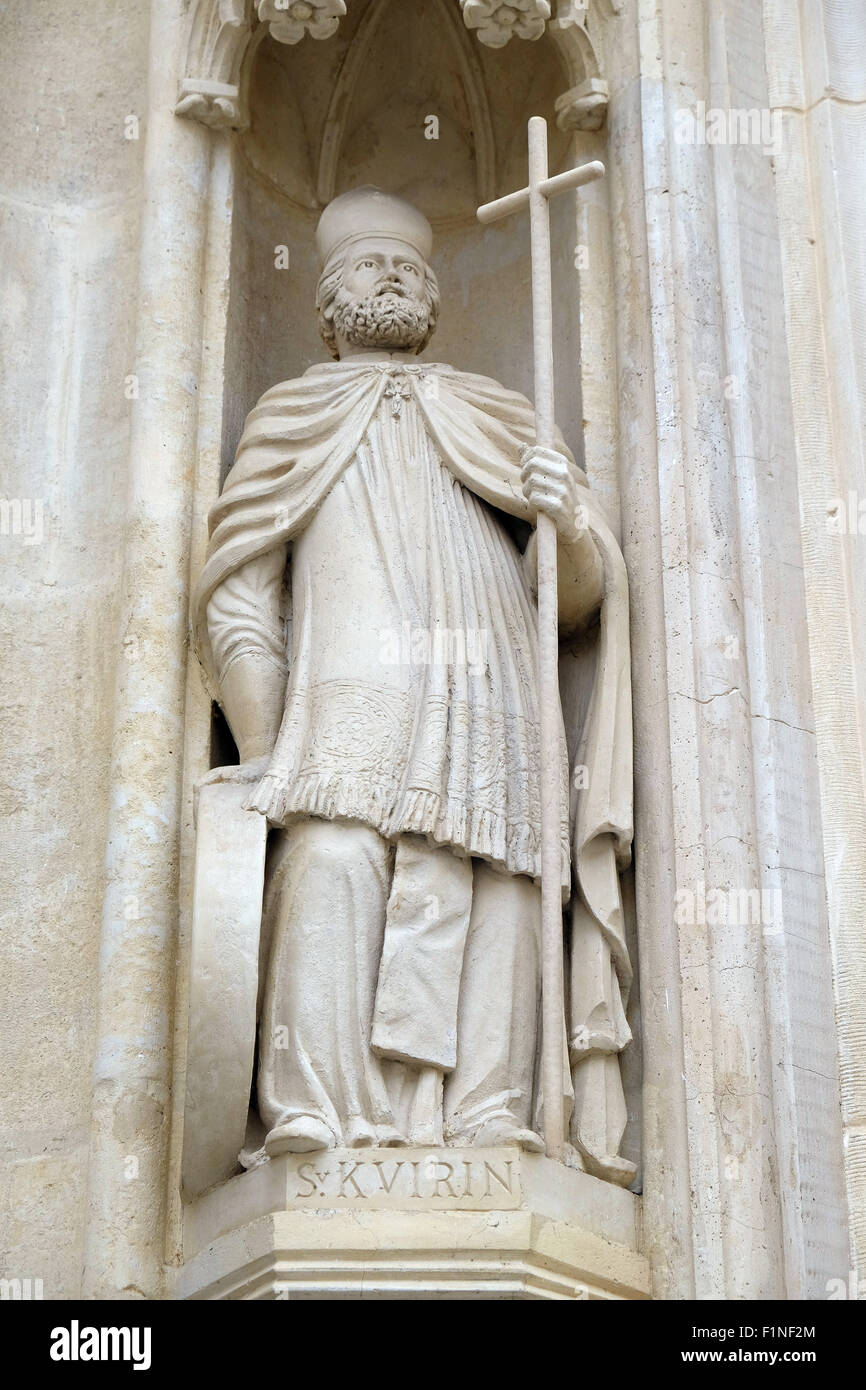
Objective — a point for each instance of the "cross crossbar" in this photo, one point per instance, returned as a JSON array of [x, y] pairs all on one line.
[[560, 183]]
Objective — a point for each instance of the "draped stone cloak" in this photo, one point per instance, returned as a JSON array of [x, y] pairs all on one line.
[[296, 445]]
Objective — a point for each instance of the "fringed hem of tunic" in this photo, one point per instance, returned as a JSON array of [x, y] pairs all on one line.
[[512, 845]]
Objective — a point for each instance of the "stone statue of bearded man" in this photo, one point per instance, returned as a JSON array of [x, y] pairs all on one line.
[[367, 620]]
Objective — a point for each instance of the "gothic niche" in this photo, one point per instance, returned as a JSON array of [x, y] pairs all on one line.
[[401, 96]]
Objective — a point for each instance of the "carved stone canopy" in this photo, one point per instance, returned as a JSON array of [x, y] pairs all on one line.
[[221, 33]]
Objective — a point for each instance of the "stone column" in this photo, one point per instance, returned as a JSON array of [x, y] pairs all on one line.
[[636, 108], [215, 446], [70, 169], [127, 1177], [742, 1189], [816, 59]]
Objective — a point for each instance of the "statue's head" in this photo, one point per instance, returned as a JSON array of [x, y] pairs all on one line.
[[376, 288]]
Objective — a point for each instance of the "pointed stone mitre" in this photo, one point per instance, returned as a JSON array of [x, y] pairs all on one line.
[[364, 212]]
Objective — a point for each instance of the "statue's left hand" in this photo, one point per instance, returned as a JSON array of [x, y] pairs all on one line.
[[549, 486], [251, 771], [246, 773]]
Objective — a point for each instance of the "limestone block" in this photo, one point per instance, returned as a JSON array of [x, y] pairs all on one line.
[[414, 1223]]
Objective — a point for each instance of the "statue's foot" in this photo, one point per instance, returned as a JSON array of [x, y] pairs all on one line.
[[301, 1136], [500, 1130], [609, 1167], [360, 1134]]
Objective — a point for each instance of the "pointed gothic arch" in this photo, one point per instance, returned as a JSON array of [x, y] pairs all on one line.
[[213, 82]]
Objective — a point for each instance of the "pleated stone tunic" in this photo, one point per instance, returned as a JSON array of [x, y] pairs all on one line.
[[411, 703]]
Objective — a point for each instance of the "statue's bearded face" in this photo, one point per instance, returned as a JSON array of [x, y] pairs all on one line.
[[382, 296]]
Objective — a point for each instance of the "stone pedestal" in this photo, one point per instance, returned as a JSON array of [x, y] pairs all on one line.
[[413, 1223]]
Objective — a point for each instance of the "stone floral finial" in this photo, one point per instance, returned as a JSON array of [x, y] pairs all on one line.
[[498, 20], [290, 20]]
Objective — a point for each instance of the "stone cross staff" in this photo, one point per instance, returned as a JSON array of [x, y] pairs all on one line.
[[536, 196]]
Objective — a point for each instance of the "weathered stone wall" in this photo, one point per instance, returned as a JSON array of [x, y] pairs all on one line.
[[743, 1193], [816, 63], [69, 192], [724, 405]]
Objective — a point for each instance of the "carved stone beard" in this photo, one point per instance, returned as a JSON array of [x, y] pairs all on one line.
[[389, 319]]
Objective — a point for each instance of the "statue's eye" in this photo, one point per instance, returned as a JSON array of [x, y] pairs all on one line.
[[367, 265]]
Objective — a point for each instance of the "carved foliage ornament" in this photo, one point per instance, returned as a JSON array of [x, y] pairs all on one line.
[[496, 21], [290, 20], [499, 20]]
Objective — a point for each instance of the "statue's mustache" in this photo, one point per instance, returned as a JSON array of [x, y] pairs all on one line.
[[392, 287]]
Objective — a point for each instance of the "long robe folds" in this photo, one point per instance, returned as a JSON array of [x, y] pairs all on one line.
[[411, 698]]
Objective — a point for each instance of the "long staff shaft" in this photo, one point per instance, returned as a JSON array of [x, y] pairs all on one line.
[[548, 661]]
